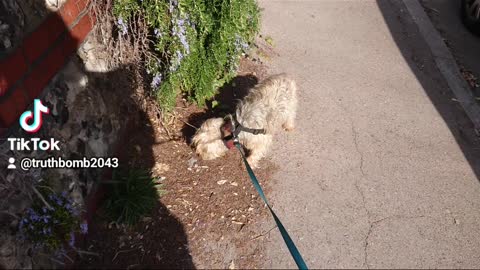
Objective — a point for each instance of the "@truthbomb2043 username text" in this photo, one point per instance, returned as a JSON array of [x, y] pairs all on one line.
[[60, 163]]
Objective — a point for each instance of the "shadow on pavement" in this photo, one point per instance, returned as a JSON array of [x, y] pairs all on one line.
[[446, 16], [411, 45]]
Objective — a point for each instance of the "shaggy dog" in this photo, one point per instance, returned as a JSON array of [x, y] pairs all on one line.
[[267, 107]]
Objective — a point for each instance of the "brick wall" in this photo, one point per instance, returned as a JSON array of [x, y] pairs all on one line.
[[27, 70]]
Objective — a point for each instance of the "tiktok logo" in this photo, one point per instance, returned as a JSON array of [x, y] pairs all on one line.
[[38, 109]]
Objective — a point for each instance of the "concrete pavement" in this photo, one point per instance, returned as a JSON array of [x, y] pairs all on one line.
[[381, 171]]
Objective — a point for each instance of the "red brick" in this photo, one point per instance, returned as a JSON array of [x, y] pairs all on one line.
[[82, 4], [43, 37], [12, 107], [82, 28], [11, 69], [7, 113], [44, 71], [76, 36], [69, 12]]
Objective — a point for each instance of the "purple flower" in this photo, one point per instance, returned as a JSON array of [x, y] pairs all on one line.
[[179, 55], [56, 199], [172, 4], [179, 31], [68, 206], [156, 81], [75, 211], [46, 231], [59, 202], [71, 242], [185, 44], [84, 228], [34, 217], [122, 26], [157, 32], [240, 44], [22, 223]]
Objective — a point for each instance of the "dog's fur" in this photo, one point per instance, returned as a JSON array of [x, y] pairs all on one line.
[[269, 105]]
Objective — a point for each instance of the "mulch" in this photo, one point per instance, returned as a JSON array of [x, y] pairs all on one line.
[[210, 215]]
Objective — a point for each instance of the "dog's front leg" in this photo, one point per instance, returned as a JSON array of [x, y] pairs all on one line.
[[258, 148]]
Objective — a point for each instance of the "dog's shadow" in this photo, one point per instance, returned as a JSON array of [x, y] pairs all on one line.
[[221, 104]]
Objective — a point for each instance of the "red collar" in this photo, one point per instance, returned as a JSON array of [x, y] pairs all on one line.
[[229, 144]]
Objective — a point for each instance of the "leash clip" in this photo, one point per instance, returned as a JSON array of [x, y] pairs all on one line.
[[234, 125]]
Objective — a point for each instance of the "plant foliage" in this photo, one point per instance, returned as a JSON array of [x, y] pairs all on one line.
[[53, 225], [196, 44], [132, 195]]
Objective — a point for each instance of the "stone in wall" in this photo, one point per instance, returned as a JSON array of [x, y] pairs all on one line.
[[20, 17], [88, 112]]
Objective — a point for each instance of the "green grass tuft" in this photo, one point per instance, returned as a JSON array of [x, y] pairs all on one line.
[[132, 195]]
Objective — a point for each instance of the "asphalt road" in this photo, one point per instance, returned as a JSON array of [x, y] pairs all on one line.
[[382, 169]]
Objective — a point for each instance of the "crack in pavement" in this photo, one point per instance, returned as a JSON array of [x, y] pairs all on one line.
[[356, 184], [355, 141], [359, 190], [362, 195], [372, 224], [377, 222]]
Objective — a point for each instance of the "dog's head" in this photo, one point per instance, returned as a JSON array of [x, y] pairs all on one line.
[[208, 140]]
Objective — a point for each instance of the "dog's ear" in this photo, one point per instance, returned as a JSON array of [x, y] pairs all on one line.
[[208, 141], [211, 150], [208, 131]]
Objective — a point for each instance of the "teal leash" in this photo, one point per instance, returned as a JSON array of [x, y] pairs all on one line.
[[288, 241]]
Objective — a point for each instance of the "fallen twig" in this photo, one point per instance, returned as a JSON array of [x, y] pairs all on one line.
[[121, 251], [42, 198], [188, 124], [57, 261], [11, 214], [432, 9], [87, 252], [68, 257], [265, 233]]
